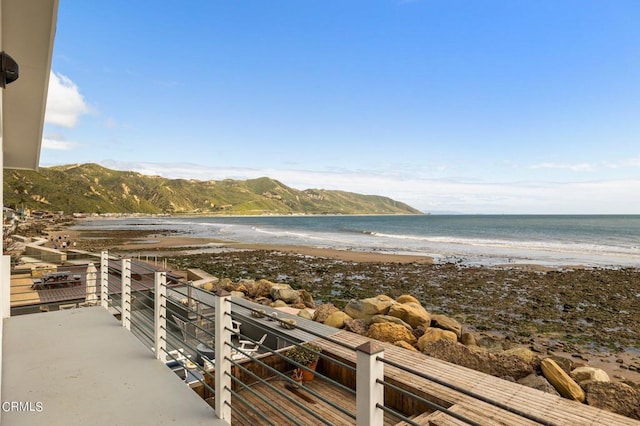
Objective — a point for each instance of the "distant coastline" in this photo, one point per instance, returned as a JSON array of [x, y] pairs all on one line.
[[545, 240]]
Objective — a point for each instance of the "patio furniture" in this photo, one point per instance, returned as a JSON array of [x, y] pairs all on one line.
[[247, 348]]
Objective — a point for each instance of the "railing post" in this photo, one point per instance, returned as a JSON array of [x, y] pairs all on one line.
[[160, 314], [5, 284], [369, 393], [104, 279], [222, 354], [126, 293]]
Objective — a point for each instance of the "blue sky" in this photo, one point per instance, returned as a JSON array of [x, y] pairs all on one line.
[[504, 106]]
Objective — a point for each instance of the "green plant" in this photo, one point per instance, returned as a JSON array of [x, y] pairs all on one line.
[[304, 354]]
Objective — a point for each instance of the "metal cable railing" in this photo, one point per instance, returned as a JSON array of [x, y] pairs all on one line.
[[130, 293]]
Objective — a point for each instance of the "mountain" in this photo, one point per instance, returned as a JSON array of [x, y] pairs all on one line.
[[90, 188]]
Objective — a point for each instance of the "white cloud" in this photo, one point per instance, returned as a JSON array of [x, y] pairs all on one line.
[[56, 144], [628, 162], [580, 167], [433, 195], [65, 103]]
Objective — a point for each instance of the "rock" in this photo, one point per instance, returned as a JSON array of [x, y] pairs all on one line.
[[560, 380], [239, 288], [304, 313], [565, 363], [323, 311], [433, 335], [525, 354], [411, 313], [388, 318], [237, 294], [586, 375], [364, 309], [336, 319], [261, 288], [538, 382], [478, 359], [357, 326], [617, 397], [446, 323], [285, 293], [491, 343], [307, 299], [468, 339], [406, 298], [405, 345], [389, 332], [279, 304], [209, 287], [226, 284], [298, 305]]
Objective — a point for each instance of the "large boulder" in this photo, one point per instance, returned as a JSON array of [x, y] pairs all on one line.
[[433, 335], [616, 397], [279, 304], [388, 318], [323, 311], [261, 288], [389, 332], [538, 382], [563, 362], [406, 298], [405, 345], [476, 358], [307, 299], [560, 380], [304, 313], [336, 319], [491, 343], [226, 284], [468, 339], [357, 326], [365, 309], [285, 293], [412, 313], [446, 323], [586, 375], [526, 354]]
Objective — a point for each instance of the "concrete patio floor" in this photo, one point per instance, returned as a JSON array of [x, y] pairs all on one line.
[[80, 366]]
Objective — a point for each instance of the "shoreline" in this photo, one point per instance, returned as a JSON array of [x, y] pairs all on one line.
[[483, 313]]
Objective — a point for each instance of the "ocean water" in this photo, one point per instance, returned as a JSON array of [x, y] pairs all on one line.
[[593, 240]]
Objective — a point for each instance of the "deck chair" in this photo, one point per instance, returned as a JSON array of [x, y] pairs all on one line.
[[248, 348], [188, 329]]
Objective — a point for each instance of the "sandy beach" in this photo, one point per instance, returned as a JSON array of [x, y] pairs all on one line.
[[589, 314]]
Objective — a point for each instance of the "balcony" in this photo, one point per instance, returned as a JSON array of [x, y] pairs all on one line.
[[155, 350]]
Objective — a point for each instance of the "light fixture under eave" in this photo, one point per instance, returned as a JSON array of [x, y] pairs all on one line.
[[9, 70]]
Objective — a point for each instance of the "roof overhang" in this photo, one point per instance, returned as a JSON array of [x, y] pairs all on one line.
[[28, 29]]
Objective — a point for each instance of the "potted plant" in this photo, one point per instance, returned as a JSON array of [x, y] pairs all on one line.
[[305, 354]]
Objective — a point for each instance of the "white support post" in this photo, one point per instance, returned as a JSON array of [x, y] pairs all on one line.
[[126, 293], [222, 355], [5, 284], [369, 393], [160, 314], [104, 279]]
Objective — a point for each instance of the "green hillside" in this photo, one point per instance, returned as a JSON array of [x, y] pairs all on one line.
[[90, 188]]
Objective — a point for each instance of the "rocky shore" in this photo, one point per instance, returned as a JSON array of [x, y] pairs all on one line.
[[575, 317]]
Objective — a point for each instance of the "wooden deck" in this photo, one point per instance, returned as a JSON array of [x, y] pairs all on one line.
[[295, 403], [550, 408]]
